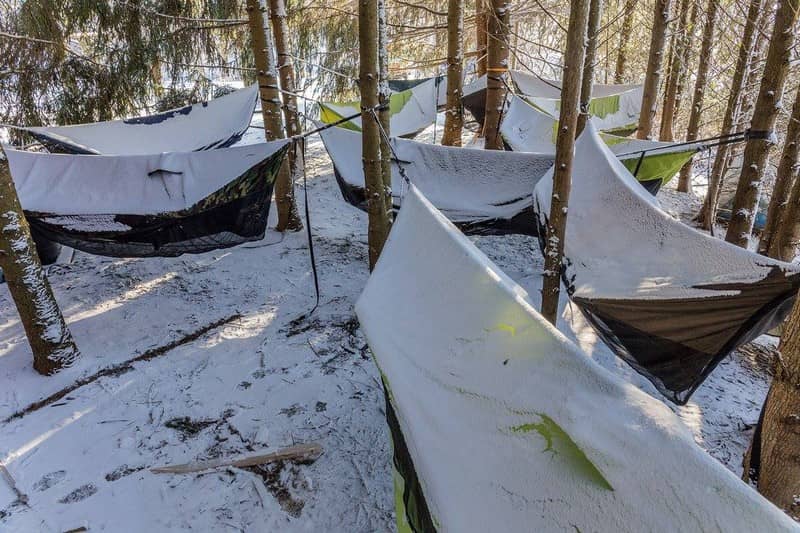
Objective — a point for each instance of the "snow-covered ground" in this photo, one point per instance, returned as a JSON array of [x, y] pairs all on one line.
[[259, 380]]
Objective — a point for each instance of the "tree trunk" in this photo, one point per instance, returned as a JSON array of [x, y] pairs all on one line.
[[587, 78], [686, 59], [773, 461], [266, 67], [370, 133], [787, 170], [565, 146], [497, 70], [624, 39], [675, 73], [385, 115], [765, 114], [708, 213], [685, 181], [50, 340], [481, 36], [654, 65], [454, 117], [787, 236]]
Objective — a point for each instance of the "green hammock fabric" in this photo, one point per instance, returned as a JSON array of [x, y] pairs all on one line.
[[328, 115], [659, 166]]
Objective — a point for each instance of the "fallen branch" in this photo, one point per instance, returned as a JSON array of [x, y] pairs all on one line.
[[21, 496], [299, 453], [121, 368]]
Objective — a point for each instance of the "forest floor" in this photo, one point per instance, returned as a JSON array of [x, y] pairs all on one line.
[[230, 370]]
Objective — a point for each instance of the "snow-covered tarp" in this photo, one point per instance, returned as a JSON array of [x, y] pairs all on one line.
[[500, 423], [615, 107], [142, 205], [217, 123], [669, 300], [525, 128], [483, 191], [411, 110]]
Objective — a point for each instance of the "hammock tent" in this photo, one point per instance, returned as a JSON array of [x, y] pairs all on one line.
[[669, 300], [482, 191], [412, 110], [160, 205], [218, 123], [527, 129], [499, 423], [615, 107], [397, 85]]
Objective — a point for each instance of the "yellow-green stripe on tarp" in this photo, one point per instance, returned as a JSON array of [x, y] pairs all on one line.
[[397, 101], [603, 106], [658, 166]]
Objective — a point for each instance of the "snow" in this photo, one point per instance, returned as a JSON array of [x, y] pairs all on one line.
[[258, 382]]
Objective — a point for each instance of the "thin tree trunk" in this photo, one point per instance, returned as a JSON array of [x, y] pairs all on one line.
[[708, 213], [773, 461], [624, 40], [685, 181], [565, 146], [481, 36], [266, 67], [675, 73], [756, 151], [654, 65], [50, 340], [454, 117], [370, 133], [784, 243], [385, 115], [280, 30], [686, 59], [497, 70], [587, 78], [787, 170]]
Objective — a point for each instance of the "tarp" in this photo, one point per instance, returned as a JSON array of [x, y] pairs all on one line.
[[615, 107], [149, 205], [525, 128], [499, 423], [398, 85], [483, 191], [218, 123], [411, 110], [669, 300]]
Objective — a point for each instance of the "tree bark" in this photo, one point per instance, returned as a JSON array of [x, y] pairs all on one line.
[[481, 35], [49, 338], [378, 228], [784, 243], [266, 73], [765, 114], [587, 78], [773, 461], [384, 114], [787, 171], [654, 65], [454, 117], [497, 70], [565, 147], [708, 213], [685, 181], [675, 72], [624, 39]]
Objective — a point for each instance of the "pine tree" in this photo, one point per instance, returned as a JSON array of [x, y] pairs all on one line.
[[384, 114], [756, 151], [624, 40], [266, 72], [565, 146], [654, 65], [454, 117], [685, 181], [481, 36], [677, 70], [497, 70], [50, 340], [708, 213], [587, 78], [370, 130]]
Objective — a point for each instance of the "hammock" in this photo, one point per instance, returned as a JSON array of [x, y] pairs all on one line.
[[482, 191], [615, 107], [397, 86], [669, 300], [218, 123], [527, 129], [411, 110], [149, 205], [499, 423]]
